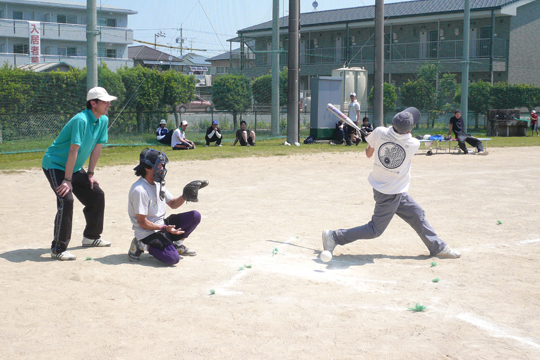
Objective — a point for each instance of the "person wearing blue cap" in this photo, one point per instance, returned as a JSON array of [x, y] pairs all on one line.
[[394, 148], [213, 134]]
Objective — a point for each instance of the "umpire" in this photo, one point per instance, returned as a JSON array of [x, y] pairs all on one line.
[[81, 137]]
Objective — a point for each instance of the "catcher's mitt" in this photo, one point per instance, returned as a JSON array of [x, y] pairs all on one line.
[[191, 190]]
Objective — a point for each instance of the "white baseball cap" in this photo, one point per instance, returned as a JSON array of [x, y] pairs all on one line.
[[100, 94], [353, 94], [533, 112], [163, 121], [184, 122]]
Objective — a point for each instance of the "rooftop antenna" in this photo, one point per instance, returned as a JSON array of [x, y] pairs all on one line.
[[315, 4]]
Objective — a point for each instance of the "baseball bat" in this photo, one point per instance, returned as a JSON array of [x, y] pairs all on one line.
[[345, 118]]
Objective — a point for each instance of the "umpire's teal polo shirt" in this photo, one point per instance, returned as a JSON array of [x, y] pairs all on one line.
[[83, 130]]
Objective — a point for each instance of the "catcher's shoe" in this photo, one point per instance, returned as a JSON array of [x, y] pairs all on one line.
[[95, 242], [448, 253], [328, 241], [183, 250], [135, 250], [64, 255]]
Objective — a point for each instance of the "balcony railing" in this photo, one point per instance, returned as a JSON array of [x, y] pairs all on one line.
[[450, 49], [65, 32]]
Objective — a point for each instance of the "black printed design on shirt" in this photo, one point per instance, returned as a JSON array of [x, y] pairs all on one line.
[[391, 155]]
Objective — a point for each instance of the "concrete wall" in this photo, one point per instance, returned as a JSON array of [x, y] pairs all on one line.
[[524, 51]]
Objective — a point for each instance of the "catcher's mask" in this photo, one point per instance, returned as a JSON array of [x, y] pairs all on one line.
[[153, 158]]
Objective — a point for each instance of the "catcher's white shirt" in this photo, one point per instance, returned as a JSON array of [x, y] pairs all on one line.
[[144, 200], [393, 154]]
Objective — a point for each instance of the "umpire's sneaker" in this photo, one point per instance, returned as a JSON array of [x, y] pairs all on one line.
[[448, 253], [328, 241], [183, 250], [94, 242], [135, 250], [64, 255]]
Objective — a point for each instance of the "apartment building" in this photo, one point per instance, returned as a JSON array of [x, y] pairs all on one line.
[[60, 27], [504, 41]]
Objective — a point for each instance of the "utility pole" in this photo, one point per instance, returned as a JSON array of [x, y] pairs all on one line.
[[181, 40], [294, 42], [275, 70], [379, 65], [91, 45], [465, 64]]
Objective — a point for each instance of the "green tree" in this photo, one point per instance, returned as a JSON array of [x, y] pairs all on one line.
[[232, 93], [419, 93], [529, 96], [389, 98], [479, 99], [145, 91], [505, 96], [261, 88], [178, 89]]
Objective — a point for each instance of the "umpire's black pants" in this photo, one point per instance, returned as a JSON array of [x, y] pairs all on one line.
[[462, 138], [94, 207]]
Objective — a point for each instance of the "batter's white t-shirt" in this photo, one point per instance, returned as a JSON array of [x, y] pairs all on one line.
[[178, 137], [354, 107], [393, 154], [144, 200]]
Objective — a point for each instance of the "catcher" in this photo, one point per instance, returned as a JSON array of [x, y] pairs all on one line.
[[162, 237]]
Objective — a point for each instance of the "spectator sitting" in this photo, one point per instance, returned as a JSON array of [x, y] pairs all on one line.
[[179, 140], [163, 135], [367, 127], [458, 127], [213, 133], [340, 134], [246, 137], [353, 134]]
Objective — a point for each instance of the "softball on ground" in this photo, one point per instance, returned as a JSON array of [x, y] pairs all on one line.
[[326, 256]]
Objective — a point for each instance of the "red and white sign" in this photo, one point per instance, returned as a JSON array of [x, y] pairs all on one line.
[[35, 41]]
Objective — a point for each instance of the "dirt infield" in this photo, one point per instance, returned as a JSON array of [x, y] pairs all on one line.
[[268, 213]]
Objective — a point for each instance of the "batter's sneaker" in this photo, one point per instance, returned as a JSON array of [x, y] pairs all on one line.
[[135, 250], [482, 152], [183, 250], [94, 242], [448, 253], [64, 255], [328, 241]]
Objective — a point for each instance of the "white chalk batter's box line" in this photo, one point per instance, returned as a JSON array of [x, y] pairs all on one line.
[[518, 243]]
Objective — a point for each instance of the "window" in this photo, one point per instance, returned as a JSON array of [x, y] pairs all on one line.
[[2, 48], [62, 51], [17, 15], [47, 50], [71, 51], [107, 22], [20, 49], [66, 19], [2, 14], [107, 53], [222, 69]]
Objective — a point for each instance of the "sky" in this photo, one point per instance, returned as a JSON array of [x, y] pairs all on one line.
[[208, 24]]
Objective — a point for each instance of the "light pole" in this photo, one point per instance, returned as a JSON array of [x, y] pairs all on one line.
[[159, 34]]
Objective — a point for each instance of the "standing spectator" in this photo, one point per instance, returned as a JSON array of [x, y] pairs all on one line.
[[458, 127], [367, 127], [179, 140], [163, 135], [354, 108], [534, 122], [213, 133], [246, 137], [81, 138]]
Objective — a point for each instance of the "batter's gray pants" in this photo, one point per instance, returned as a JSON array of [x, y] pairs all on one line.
[[404, 206]]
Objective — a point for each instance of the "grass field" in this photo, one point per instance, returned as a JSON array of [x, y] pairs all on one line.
[[16, 155]]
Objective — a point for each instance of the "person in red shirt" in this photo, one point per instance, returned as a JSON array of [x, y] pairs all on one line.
[[534, 122]]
